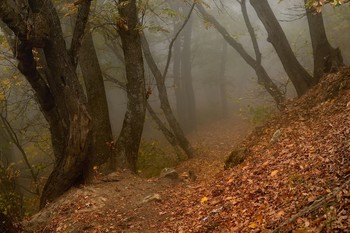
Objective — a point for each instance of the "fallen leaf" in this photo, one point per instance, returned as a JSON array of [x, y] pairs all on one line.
[[274, 173], [253, 225], [204, 199]]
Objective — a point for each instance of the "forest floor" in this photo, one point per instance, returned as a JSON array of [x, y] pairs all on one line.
[[297, 183]]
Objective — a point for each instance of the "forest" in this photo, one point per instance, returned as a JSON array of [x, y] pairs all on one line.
[[174, 116]]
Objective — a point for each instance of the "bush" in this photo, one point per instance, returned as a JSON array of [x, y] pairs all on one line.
[[11, 201]]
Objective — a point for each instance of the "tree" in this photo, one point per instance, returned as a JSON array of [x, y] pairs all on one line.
[[182, 73], [326, 58], [301, 80], [129, 139], [98, 107], [58, 91], [175, 136], [261, 73], [176, 130]]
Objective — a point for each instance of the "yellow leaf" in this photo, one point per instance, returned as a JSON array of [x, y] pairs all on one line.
[[253, 225], [204, 199], [230, 181], [273, 173]]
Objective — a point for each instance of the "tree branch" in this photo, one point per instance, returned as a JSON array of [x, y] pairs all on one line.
[[13, 20], [79, 29], [250, 30]]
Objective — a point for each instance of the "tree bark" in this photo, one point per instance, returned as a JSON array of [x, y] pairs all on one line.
[[301, 80], [129, 139], [98, 107], [326, 58]]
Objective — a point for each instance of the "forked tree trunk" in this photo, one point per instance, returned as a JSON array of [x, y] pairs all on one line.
[[164, 101], [59, 93], [128, 143], [301, 80], [326, 58]]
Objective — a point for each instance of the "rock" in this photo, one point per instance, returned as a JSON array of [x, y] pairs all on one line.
[[149, 198], [112, 177], [236, 157], [169, 173], [276, 136]]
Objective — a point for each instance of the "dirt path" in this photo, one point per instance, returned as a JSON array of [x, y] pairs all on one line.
[[118, 205]]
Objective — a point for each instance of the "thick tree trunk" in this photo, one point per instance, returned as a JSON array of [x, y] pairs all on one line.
[[164, 101], [301, 80], [98, 107], [263, 77], [129, 139], [326, 58], [59, 93], [70, 166]]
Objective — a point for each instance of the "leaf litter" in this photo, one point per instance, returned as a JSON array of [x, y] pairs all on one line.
[[298, 183]]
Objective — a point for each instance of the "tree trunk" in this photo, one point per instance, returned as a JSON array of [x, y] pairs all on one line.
[[189, 105], [261, 73], [326, 58], [98, 106], [129, 139], [301, 80], [59, 94], [177, 78], [222, 81], [164, 101]]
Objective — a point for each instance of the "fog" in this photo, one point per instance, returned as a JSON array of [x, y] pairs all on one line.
[[206, 58], [207, 79]]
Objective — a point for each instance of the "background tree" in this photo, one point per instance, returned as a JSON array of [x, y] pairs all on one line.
[[300, 78], [261, 73], [326, 58], [182, 71]]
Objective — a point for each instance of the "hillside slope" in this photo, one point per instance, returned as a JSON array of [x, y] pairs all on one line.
[[299, 183]]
